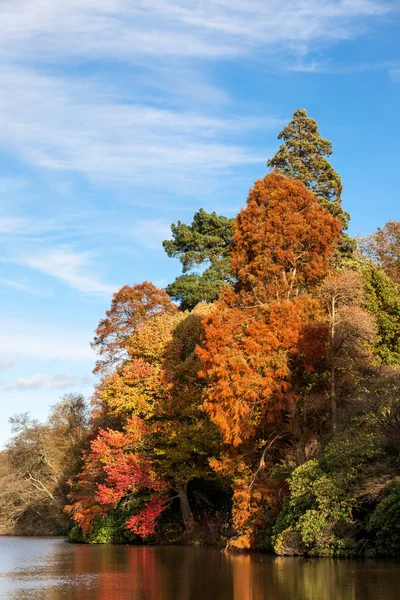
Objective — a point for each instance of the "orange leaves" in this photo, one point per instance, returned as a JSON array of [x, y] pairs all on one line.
[[130, 308], [245, 362], [282, 241]]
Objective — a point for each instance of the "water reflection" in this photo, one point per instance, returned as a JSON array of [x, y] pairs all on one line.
[[51, 569]]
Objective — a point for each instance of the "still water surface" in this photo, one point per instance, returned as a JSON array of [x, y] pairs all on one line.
[[52, 569]]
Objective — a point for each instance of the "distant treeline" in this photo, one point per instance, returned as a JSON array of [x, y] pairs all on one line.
[[252, 404]]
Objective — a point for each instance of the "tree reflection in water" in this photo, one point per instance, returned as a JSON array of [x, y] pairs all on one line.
[[50, 569]]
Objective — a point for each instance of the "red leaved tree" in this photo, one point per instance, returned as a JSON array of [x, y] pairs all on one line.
[[114, 468]]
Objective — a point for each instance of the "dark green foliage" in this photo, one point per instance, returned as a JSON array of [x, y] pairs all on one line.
[[385, 524], [203, 250], [302, 155], [189, 290], [76, 535]]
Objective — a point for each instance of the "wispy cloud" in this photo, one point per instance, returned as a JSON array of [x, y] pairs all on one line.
[[84, 125], [18, 226], [300, 67], [127, 30], [43, 341], [151, 232], [41, 381], [58, 345], [68, 125], [394, 74], [5, 363], [70, 267], [24, 287]]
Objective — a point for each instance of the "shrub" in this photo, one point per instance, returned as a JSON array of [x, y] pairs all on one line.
[[385, 524], [316, 518], [76, 535], [106, 531]]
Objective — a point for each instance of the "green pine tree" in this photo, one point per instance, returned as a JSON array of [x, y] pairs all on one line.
[[302, 155], [203, 247], [203, 250]]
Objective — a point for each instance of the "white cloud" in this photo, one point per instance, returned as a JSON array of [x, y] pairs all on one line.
[[41, 381], [151, 232], [69, 267], [10, 225], [5, 363], [13, 225], [68, 125], [82, 124], [24, 287], [130, 29], [23, 340]]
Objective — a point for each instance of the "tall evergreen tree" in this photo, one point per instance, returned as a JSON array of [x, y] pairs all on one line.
[[302, 156], [204, 243], [204, 246]]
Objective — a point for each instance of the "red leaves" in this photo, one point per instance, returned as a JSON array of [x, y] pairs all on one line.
[[118, 468], [145, 522]]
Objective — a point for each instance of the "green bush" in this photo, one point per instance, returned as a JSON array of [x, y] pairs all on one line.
[[106, 531], [316, 518], [385, 524]]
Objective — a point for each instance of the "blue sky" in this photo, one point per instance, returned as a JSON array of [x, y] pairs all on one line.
[[118, 117]]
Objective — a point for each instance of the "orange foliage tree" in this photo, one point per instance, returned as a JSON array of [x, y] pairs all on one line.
[[157, 386], [130, 308], [282, 244], [383, 247]]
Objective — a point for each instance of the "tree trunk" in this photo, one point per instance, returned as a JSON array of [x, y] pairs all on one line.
[[297, 433], [186, 511], [333, 374]]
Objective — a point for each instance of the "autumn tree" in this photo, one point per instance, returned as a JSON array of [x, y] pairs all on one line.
[[183, 436], [158, 384], [116, 468], [351, 327], [281, 248], [383, 248], [203, 250], [283, 240], [130, 308]]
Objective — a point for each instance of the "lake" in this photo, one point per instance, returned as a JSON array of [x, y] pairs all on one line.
[[52, 569]]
